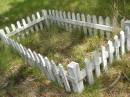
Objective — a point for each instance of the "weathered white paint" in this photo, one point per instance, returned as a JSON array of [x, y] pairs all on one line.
[[116, 47], [89, 71], [74, 72]]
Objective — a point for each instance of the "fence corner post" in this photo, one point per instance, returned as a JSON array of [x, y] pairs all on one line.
[[89, 71], [127, 34], [74, 73], [3, 36]]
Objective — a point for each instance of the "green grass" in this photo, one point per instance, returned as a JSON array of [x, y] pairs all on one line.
[[63, 46], [28, 81], [13, 10], [7, 58]]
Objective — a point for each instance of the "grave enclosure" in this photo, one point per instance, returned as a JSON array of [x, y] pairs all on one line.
[[72, 78]]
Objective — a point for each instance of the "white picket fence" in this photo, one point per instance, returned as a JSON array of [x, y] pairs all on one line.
[[72, 78], [90, 25]]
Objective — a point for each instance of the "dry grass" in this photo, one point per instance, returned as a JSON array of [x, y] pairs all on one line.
[[62, 46], [29, 82]]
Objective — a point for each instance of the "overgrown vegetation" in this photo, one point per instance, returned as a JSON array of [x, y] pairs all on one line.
[[20, 80], [7, 58], [63, 46]]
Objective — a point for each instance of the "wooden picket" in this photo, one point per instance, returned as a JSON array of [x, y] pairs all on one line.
[[83, 18], [64, 79], [7, 30], [69, 25], [64, 17], [101, 21], [116, 47], [74, 72], [44, 17], [40, 24], [94, 20], [29, 21], [89, 71], [24, 24], [108, 23], [56, 73], [104, 58], [13, 27], [127, 34]]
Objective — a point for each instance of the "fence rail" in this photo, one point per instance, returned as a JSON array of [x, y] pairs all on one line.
[[89, 24], [83, 23], [72, 78]]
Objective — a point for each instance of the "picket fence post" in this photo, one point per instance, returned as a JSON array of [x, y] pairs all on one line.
[[3, 36], [25, 24], [49, 69], [45, 16], [101, 21], [13, 27], [110, 49], [39, 17], [94, 20], [74, 72], [97, 63], [28, 22], [104, 58], [89, 21], [83, 18], [127, 34], [7, 30], [89, 70], [108, 23], [116, 47], [69, 25], [43, 66], [64, 17], [55, 70], [34, 19], [122, 42], [63, 76], [78, 18]]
